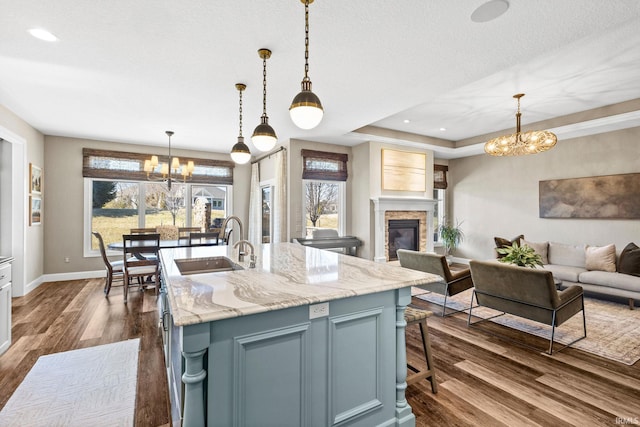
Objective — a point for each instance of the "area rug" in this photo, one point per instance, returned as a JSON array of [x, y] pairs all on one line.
[[94, 386], [613, 331]]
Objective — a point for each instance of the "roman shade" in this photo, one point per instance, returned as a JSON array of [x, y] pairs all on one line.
[[322, 165]]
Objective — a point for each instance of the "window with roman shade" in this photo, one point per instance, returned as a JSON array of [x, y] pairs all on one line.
[[121, 165], [440, 177], [324, 166]]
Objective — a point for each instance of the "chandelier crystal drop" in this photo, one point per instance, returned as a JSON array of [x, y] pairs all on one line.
[[306, 110], [264, 137], [240, 152], [521, 143]]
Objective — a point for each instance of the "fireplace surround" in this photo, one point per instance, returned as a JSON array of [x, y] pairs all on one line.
[[401, 208]]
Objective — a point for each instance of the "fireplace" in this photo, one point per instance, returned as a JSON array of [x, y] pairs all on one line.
[[403, 234], [387, 208]]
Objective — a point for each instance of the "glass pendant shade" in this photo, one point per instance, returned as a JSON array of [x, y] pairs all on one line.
[[521, 143], [240, 152], [306, 110], [264, 137]]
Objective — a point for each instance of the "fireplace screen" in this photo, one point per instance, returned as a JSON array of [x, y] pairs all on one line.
[[403, 234]]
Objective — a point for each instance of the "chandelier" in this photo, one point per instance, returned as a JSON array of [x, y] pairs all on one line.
[[240, 152], [306, 110], [264, 137], [166, 169], [520, 143]]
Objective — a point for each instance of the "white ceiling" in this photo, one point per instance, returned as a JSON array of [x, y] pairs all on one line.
[[127, 70]]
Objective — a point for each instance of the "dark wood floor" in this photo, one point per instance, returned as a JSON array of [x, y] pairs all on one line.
[[483, 380]]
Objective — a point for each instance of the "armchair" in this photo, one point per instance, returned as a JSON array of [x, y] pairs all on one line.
[[526, 292], [452, 283]]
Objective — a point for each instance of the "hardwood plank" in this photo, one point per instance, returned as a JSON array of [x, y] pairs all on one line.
[[486, 404]]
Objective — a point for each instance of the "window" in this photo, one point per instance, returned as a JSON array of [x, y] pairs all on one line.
[[323, 206], [438, 213], [113, 208], [266, 214], [323, 175]]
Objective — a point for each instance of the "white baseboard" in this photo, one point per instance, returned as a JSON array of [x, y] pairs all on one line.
[[76, 275]]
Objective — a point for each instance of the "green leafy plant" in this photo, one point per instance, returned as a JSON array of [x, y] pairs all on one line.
[[451, 236], [524, 256]]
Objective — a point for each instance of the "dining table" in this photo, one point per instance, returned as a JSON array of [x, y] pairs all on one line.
[[165, 244]]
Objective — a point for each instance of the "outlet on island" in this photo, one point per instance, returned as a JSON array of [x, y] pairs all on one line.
[[318, 310]]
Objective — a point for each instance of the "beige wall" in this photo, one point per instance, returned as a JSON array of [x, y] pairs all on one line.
[[367, 184], [499, 196], [64, 206], [33, 259]]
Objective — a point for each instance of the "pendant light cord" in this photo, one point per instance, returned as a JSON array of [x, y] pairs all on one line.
[[306, 40], [240, 113], [264, 86]]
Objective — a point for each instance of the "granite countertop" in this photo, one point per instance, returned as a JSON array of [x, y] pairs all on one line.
[[286, 275]]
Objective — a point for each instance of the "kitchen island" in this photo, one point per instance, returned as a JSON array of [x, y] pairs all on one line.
[[305, 338]]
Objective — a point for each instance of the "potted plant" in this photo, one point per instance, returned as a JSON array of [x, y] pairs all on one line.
[[451, 237], [524, 256]]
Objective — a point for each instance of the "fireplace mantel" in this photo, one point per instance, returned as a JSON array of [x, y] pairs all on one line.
[[386, 203]]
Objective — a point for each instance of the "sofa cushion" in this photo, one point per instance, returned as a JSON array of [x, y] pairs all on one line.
[[563, 254], [501, 242], [629, 262], [565, 272], [611, 280], [601, 258], [541, 248]]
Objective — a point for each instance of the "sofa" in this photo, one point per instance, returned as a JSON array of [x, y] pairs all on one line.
[[598, 269]]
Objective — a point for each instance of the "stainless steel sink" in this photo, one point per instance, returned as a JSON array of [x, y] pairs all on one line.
[[206, 265]]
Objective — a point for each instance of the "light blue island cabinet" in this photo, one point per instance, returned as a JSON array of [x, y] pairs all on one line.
[[305, 338]]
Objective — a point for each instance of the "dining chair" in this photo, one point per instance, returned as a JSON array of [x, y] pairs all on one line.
[[203, 239], [140, 255], [183, 233], [142, 230], [115, 269]]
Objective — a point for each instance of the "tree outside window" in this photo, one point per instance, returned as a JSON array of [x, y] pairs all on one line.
[[321, 205]]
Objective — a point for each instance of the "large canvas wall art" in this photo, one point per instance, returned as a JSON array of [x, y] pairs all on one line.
[[610, 196]]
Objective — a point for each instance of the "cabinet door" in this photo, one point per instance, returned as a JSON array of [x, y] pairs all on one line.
[[5, 317]]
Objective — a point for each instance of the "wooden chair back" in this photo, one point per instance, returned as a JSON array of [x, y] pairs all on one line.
[[203, 239], [142, 231]]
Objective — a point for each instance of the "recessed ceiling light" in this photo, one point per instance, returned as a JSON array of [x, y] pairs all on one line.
[[443, 129], [43, 34], [489, 10], [407, 121]]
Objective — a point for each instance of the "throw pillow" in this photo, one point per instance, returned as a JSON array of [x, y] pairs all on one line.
[[564, 254], [602, 258], [629, 262], [541, 249], [502, 242]]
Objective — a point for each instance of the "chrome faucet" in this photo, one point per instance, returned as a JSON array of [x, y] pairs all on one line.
[[223, 227], [241, 252]]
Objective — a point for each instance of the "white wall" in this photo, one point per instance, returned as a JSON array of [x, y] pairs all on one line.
[[499, 196]]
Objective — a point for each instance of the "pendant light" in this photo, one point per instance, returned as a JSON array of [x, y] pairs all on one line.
[[264, 137], [521, 143], [240, 152], [306, 110]]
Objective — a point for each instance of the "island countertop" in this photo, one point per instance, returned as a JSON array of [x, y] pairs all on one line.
[[286, 275]]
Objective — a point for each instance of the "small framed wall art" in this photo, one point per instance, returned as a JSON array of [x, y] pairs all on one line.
[[35, 173], [35, 210]]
